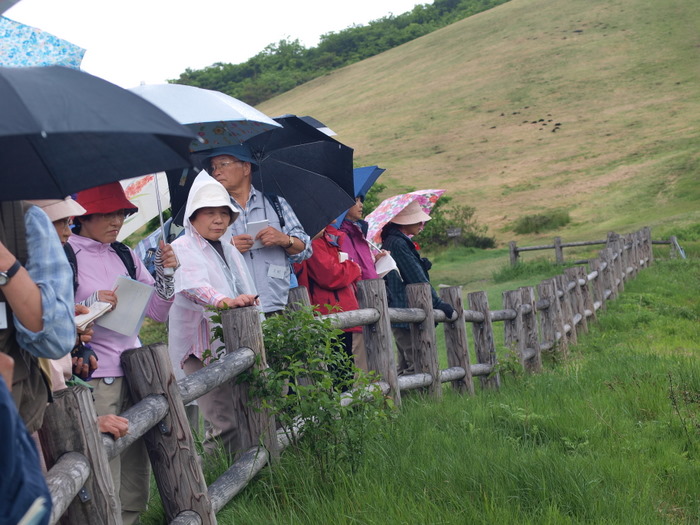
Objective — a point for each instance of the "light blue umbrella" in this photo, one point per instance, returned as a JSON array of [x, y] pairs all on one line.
[[363, 179], [24, 46]]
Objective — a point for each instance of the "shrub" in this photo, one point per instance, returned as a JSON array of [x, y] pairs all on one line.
[[308, 376], [541, 222]]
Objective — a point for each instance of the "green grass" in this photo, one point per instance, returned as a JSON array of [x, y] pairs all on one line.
[[611, 435], [594, 439]]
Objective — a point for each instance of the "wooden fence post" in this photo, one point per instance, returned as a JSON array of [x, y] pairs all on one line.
[[558, 250], [609, 279], [513, 249], [633, 265], [586, 295], [70, 425], [638, 251], [551, 319], [379, 343], [242, 328], [641, 255], [298, 297], [419, 295], [176, 468], [573, 275], [566, 308], [529, 328], [512, 328], [596, 265], [456, 340], [620, 247], [618, 274], [483, 339], [622, 265], [649, 252]]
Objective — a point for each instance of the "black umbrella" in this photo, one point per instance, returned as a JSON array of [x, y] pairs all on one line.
[[307, 167], [311, 170], [63, 130]]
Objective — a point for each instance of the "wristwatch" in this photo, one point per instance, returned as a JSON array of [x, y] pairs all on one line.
[[9, 274]]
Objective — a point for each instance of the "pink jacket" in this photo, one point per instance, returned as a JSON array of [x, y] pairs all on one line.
[[355, 245], [98, 267]]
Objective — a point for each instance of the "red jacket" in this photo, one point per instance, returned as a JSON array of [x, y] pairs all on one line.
[[329, 281]]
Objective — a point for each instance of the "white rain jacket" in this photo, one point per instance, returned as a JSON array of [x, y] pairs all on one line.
[[202, 267]]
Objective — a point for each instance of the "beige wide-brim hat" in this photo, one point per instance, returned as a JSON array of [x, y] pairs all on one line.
[[411, 214], [58, 209]]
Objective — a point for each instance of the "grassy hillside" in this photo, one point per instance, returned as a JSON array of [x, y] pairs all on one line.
[[591, 106]]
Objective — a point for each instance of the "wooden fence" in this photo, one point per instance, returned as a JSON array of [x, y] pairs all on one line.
[[558, 247], [547, 319]]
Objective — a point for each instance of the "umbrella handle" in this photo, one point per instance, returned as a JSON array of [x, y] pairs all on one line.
[[166, 271]]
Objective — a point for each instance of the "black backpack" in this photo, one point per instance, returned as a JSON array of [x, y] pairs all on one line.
[[119, 247]]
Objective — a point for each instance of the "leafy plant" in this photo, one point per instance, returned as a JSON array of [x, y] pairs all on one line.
[[311, 382], [541, 222]]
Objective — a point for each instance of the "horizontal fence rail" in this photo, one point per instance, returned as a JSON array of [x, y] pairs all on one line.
[[546, 318], [558, 247]]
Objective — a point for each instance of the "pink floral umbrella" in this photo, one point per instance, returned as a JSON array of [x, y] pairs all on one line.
[[391, 207]]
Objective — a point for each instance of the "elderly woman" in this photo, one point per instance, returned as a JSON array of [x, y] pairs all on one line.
[[411, 268], [99, 260], [212, 275]]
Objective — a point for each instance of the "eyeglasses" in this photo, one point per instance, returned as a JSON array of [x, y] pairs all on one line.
[[117, 214], [64, 223], [222, 165]]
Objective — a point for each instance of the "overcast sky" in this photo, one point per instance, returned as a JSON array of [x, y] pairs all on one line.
[[133, 41]]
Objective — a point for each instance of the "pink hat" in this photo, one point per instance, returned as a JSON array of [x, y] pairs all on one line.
[[411, 214], [107, 198], [58, 209]]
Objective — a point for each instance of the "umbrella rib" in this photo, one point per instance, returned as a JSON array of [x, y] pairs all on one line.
[[46, 165]]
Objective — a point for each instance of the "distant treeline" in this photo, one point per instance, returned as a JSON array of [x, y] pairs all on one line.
[[284, 65]]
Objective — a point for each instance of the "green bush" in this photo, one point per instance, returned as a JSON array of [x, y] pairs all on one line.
[[541, 222], [309, 375]]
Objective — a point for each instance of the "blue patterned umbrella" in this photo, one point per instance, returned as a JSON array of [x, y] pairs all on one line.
[[22, 46]]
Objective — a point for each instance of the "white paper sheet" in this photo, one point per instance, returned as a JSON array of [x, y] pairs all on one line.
[[253, 229], [384, 265], [132, 301]]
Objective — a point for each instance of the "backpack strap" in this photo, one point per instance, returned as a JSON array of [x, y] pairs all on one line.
[[275, 201], [125, 255], [121, 249], [73, 261]]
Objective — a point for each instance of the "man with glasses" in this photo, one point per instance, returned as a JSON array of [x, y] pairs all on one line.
[[267, 231]]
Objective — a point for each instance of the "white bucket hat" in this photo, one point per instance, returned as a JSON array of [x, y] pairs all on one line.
[[58, 209]]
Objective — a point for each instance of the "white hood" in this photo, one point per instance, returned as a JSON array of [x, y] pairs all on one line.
[[206, 192]]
